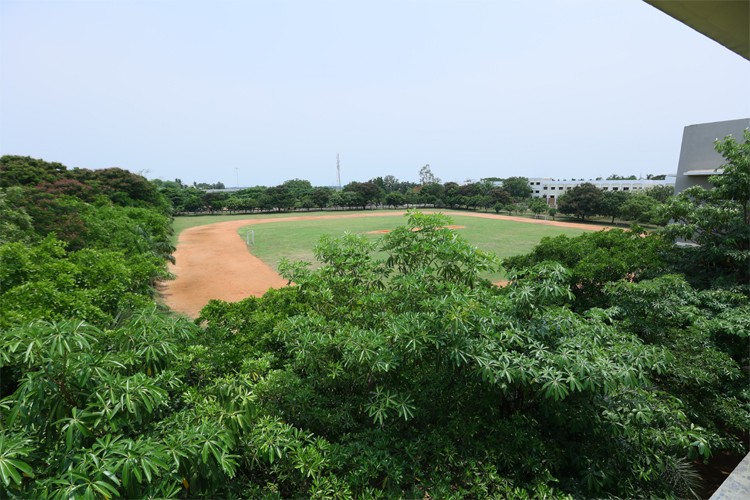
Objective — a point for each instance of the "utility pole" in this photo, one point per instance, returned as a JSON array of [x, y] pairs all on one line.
[[237, 172], [338, 170]]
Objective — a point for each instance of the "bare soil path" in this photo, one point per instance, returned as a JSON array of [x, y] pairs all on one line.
[[213, 262]]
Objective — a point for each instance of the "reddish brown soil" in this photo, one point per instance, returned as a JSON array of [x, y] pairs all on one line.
[[213, 261]]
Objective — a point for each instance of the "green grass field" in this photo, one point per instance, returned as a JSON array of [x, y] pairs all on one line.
[[295, 240]]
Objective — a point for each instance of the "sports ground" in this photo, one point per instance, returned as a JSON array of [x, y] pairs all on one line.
[[214, 261]]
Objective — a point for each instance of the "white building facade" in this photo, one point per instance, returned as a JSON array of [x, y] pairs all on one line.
[[550, 189]]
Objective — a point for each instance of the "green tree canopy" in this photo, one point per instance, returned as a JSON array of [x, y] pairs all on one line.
[[367, 193], [718, 219], [518, 187], [582, 201], [27, 171], [612, 202]]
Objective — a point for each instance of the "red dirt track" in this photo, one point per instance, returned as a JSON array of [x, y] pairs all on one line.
[[213, 261]]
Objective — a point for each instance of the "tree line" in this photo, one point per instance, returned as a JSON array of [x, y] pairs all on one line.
[[512, 195], [612, 365]]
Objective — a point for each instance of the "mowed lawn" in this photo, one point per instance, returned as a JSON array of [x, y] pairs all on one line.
[[295, 240], [183, 222]]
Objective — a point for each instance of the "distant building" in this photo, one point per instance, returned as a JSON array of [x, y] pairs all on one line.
[[551, 189], [225, 190], [698, 158]]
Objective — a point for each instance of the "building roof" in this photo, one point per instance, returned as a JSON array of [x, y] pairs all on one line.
[[724, 21]]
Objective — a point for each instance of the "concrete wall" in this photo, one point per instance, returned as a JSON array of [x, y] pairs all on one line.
[[737, 485], [698, 158]]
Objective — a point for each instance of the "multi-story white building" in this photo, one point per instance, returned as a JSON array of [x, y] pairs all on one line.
[[551, 189]]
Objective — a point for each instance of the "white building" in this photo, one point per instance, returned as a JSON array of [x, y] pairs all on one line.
[[551, 189]]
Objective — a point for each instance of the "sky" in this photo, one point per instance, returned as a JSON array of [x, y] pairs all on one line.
[[258, 92]]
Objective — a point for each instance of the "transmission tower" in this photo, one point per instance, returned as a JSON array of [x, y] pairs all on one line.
[[338, 170]]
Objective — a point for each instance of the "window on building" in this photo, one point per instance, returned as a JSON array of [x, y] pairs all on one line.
[[625, 189], [545, 188], [615, 189]]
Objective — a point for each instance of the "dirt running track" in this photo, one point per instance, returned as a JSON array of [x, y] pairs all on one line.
[[213, 261]]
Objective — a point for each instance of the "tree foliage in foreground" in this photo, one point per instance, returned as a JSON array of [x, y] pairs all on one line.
[[594, 373], [425, 380], [404, 376], [718, 219], [595, 259]]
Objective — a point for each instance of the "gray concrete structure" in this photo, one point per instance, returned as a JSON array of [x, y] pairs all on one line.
[[737, 485], [698, 158]]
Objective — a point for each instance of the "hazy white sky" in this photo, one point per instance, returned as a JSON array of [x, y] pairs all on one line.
[[264, 91]]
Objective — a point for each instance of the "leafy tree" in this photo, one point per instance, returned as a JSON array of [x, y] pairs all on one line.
[[15, 223], [518, 187], [390, 184], [280, 197], [500, 195], [660, 193], [207, 185], [595, 259], [299, 187], [321, 196], [427, 177], [667, 312], [367, 193], [393, 369], [431, 193], [612, 202], [27, 171], [424, 380], [182, 199], [84, 420], [581, 201], [395, 199], [380, 183], [214, 200], [639, 208], [69, 187], [717, 219], [472, 189], [241, 203], [345, 199], [537, 206], [61, 215], [122, 187], [45, 281]]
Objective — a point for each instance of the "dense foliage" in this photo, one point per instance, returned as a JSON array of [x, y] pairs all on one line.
[[604, 369], [718, 219]]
